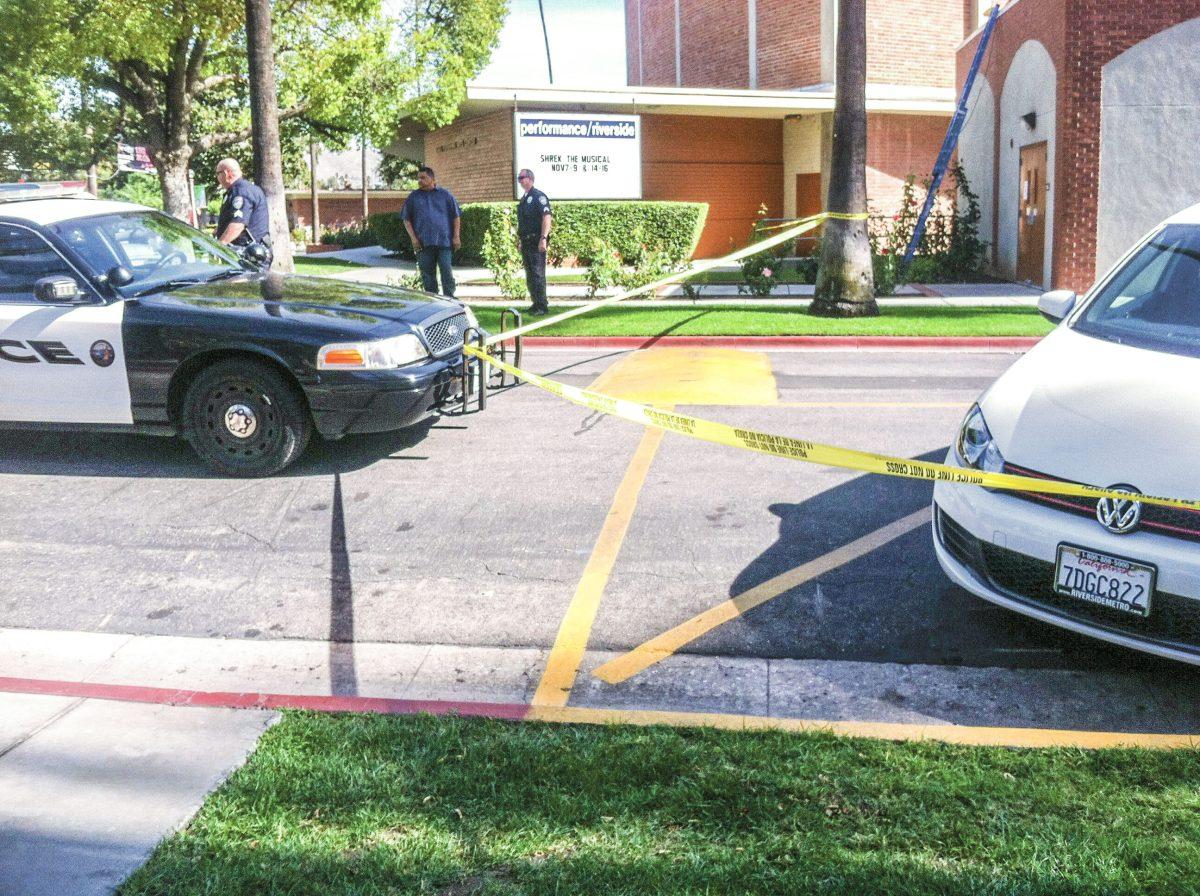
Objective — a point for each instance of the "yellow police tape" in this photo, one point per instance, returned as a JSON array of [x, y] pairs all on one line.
[[768, 443], [802, 226], [812, 452]]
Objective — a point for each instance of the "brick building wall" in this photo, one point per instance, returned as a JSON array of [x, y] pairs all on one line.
[[341, 209], [733, 164], [473, 158], [913, 42], [633, 54], [652, 62], [1081, 36], [789, 43], [714, 37], [897, 146]]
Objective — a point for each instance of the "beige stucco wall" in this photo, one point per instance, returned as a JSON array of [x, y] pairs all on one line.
[[1149, 122]]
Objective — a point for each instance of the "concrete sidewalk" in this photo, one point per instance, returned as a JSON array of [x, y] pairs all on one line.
[[91, 785], [384, 268]]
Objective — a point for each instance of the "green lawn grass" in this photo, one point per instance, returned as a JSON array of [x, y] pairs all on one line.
[[934, 320], [323, 267], [386, 805]]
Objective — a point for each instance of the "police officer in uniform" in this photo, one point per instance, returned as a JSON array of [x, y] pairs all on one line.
[[243, 220], [534, 218]]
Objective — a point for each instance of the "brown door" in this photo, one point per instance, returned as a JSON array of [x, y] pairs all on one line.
[[1031, 224], [809, 201]]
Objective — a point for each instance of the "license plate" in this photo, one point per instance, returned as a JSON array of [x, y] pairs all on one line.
[[1112, 582]]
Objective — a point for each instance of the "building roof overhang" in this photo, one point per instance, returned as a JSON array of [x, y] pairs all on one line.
[[901, 100]]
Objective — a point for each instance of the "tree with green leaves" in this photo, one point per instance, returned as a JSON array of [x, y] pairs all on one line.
[[76, 75]]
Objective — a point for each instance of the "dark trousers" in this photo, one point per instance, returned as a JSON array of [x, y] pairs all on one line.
[[535, 270], [430, 261]]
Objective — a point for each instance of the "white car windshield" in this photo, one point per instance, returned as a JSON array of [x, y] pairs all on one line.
[[155, 248], [1154, 300]]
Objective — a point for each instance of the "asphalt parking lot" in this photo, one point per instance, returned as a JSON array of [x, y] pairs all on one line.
[[541, 531]]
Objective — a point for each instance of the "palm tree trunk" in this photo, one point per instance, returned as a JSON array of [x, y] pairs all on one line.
[[264, 117], [845, 280]]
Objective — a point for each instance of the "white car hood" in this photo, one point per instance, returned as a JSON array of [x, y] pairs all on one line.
[[1076, 407]]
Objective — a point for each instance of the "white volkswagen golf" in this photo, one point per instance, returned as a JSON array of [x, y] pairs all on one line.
[[1110, 398]]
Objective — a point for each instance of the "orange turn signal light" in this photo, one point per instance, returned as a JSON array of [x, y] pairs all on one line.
[[344, 357]]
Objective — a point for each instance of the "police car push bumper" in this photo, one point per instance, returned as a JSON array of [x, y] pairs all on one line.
[[347, 402]]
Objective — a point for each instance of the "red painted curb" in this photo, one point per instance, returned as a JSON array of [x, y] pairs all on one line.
[[249, 700], [769, 342]]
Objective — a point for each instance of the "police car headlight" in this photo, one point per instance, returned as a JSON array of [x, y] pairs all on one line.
[[975, 446], [381, 354]]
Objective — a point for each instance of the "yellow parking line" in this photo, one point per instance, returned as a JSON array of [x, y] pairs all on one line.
[[576, 627], [970, 735], [659, 648]]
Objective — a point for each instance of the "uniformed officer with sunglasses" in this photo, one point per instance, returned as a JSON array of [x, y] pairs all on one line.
[[534, 218]]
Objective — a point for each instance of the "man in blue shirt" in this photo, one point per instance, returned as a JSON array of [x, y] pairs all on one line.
[[432, 218], [244, 220]]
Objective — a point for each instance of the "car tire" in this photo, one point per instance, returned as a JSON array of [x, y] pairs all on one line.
[[243, 418]]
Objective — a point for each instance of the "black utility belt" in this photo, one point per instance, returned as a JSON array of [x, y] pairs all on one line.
[[536, 237]]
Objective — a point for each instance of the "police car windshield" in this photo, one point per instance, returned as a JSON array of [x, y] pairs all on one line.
[[1154, 300], [158, 250]]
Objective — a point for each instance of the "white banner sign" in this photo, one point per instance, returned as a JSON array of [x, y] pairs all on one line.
[[580, 156], [134, 158]]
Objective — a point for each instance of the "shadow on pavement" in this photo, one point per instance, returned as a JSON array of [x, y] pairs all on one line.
[[892, 604], [120, 455]]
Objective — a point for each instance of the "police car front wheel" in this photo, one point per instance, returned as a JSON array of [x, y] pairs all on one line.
[[244, 419]]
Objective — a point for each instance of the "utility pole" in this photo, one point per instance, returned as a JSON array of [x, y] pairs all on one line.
[[546, 38], [365, 209], [845, 279], [314, 189], [264, 120]]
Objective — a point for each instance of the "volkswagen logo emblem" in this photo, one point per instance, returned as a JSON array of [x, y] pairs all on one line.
[[1119, 515]]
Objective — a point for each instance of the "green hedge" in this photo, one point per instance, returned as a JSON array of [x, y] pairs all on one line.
[[673, 227], [389, 232], [670, 227]]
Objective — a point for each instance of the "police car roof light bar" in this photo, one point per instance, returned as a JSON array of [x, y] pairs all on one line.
[[63, 189]]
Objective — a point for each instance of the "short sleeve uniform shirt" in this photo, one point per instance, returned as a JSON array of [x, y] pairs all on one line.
[[245, 203], [533, 206]]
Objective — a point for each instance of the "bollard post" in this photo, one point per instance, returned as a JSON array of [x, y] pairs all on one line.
[[506, 315], [469, 365], [484, 370]]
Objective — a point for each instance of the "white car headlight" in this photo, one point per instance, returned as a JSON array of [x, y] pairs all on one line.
[[975, 446], [380, 354]]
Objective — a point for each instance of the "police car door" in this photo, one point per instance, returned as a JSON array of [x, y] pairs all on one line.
[[60, 362]]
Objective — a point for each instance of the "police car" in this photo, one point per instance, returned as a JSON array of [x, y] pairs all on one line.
[[118, 318]]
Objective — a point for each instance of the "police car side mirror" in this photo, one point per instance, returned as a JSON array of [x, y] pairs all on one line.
[[57, 290], [119, 276]]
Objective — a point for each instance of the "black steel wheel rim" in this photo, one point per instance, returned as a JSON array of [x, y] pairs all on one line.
[[268, 431]]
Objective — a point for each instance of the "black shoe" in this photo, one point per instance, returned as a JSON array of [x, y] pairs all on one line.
[[535, 311]]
